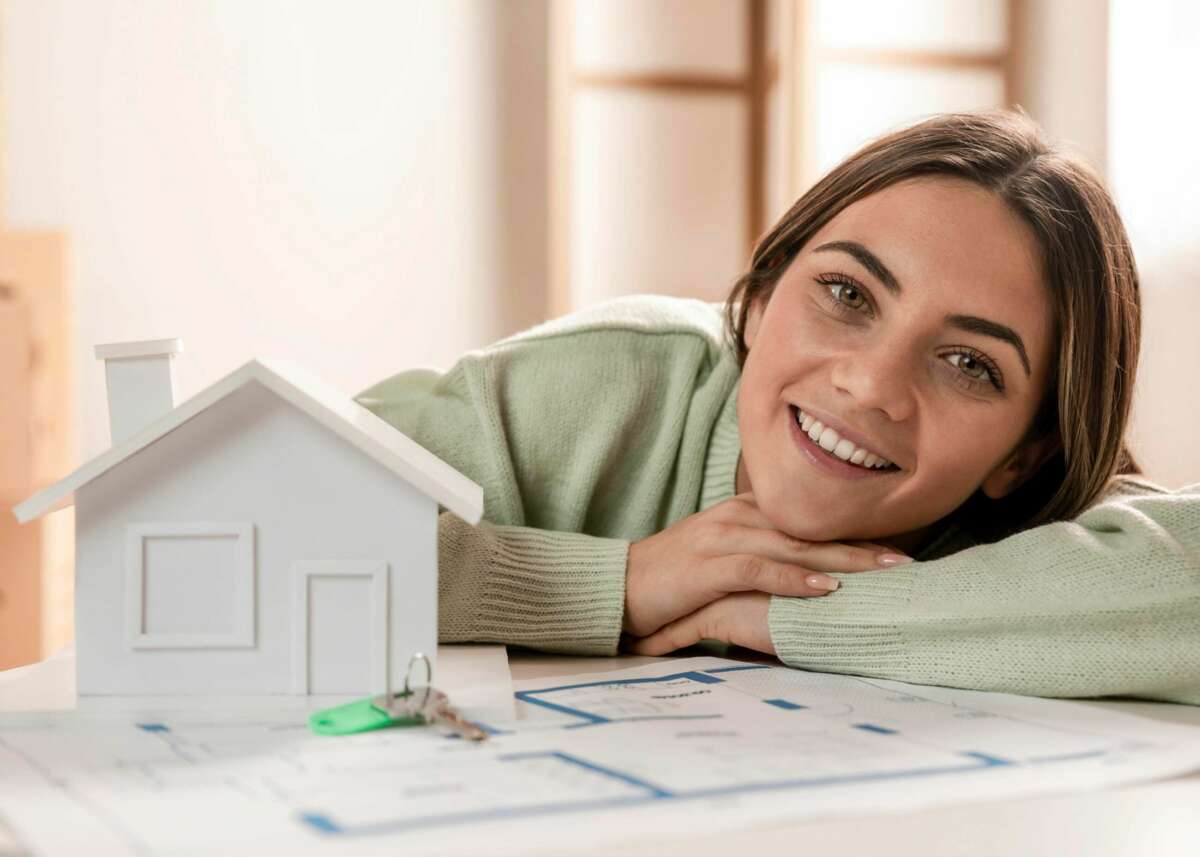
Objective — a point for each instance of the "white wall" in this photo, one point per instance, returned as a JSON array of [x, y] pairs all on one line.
[[1113, 78], [1154, 165], [356, 186]]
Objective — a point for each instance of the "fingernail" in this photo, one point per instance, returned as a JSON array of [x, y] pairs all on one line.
[[886, 559], [820, 581]]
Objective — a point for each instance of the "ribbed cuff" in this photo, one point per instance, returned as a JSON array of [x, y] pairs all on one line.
[[853, 630], [557, 592]]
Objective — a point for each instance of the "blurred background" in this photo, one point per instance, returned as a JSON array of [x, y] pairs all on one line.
[[365, 187]]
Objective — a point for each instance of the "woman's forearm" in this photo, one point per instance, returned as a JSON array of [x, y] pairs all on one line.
[[1108, 604]]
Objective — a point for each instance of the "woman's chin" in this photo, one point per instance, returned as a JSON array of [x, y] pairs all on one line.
[[817, 525]]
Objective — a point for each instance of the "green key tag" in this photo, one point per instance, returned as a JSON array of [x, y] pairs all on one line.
[[374, 712], [359, 716]]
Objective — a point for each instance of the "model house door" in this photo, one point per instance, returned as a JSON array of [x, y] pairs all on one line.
[[340, 626]]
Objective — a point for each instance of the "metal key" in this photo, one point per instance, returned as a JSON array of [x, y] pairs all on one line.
[[436, 708], [431, 706], [427, 704]]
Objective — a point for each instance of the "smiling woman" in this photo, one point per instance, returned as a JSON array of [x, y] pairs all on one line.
[[935, 347], [960, 299]]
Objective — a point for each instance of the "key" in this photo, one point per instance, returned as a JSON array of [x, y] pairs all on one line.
[[434, 707], [423, 704]]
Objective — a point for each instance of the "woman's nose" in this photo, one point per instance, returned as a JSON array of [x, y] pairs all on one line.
[[879, 377]]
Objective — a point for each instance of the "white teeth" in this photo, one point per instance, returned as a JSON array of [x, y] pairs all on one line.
[[831, 442]]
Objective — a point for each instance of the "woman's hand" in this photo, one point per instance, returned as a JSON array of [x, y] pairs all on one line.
[[740, 619], [731, 547]]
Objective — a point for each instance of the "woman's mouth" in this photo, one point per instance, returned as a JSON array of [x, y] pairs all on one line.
[[833, 453]]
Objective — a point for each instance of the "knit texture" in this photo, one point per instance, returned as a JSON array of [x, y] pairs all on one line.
[[607, 426], [586, 433], [1108, 604]]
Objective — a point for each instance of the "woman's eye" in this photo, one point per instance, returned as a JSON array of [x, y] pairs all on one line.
[[850, 296], [970, 367], [843, 295], [975, 369]]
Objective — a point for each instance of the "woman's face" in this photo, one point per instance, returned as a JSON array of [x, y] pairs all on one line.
[[914, 329]]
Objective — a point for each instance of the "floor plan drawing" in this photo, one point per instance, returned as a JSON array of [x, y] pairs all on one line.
[[698, 743]]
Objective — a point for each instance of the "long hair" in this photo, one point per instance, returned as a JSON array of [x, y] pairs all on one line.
[[1087, 265]]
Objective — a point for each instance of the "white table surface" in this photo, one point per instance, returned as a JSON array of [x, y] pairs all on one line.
[[1147, 820]]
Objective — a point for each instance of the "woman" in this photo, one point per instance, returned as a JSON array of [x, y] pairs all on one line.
[[913, 360]]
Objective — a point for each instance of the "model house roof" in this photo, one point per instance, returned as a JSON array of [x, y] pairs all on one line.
[[325, 404]]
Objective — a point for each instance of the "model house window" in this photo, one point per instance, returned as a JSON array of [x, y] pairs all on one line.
[[190, 585]]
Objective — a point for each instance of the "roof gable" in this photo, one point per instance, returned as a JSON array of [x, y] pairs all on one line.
[[331, 408]]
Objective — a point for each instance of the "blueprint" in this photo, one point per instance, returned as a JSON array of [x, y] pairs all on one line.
[[675, 749]]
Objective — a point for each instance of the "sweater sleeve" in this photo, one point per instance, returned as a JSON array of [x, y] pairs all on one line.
[[501, 581], [558, 592], [1107, 604]]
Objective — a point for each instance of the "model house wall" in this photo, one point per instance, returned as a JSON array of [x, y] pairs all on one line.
[[252, 550]]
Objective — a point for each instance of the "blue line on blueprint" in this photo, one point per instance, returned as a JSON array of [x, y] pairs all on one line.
[[628, 779], [736, 669], [849, 778], [990, 761], [153, 727], [785, 705], [692, 674], [1066, 757], [451, 819], [526, 696], [322, 823], [871, 727], [648, 717], [491, 730], [529, 695], [980, 762]]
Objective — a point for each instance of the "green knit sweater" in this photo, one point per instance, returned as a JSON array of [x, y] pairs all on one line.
[[604, 427]]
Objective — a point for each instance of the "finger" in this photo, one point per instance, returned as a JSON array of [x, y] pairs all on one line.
[[677, 635], [846, 557], [723, 538], [877, 547], [746, 572]]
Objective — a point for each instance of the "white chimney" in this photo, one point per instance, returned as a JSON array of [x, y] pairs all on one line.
[[141, 383]]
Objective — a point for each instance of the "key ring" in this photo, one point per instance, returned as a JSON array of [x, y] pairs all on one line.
[[428, 686]]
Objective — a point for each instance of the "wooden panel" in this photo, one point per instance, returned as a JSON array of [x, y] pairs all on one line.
[[15, 415], [22, 593], [34, 264], [20, 547], [37, 565]]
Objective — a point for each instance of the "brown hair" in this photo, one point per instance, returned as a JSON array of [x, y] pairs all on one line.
[[1088, 268]]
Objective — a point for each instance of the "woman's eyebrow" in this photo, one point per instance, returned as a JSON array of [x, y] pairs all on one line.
[[968, 323], [865, 258], [975, 324]]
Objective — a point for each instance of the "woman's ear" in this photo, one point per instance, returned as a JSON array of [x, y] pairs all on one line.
[[1020, 466]]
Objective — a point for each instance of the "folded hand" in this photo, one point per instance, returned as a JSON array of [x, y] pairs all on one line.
[[740, 619], [731, 548]]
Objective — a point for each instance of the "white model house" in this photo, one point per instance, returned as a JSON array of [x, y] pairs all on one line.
[[267, 536]]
